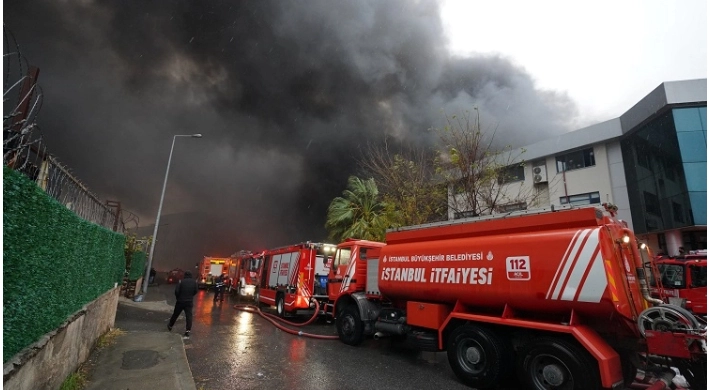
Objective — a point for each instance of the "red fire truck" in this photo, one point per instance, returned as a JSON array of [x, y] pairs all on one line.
[[682, 281], [552, 299], [245, 272], [210, 268], [293, 275]]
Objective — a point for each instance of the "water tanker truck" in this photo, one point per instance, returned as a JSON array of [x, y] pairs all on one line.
[[554, 299]]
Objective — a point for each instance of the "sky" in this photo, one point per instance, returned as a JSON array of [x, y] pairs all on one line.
[[286, 94], [606, 55]]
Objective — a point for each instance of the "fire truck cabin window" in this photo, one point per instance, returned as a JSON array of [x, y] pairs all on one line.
[[254, 264], [342, 257], [672, 275]]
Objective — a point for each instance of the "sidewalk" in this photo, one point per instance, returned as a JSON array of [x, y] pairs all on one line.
[[138, 360]]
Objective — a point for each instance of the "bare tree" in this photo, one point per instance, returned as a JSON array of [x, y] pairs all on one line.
[[405, 177], [478, 172]]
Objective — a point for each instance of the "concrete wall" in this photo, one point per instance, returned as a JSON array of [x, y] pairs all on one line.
[[48, 362]]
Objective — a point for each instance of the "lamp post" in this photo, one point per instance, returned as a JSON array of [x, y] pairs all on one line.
[[146, 277]]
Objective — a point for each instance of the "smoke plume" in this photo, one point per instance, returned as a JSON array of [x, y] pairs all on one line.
[[283, 92]]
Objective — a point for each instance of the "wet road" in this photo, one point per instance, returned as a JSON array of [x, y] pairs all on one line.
[[234, 349]]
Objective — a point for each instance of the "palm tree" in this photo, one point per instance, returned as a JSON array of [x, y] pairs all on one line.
[[359, 213]]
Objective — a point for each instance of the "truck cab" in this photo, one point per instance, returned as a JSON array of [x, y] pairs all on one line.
[[349, 269], [349, 273], [682, 281]]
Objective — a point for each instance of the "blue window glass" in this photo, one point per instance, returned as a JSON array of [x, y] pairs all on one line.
[[687, 119], [699, 205], [581, 199], [696, 176], [692, 146]]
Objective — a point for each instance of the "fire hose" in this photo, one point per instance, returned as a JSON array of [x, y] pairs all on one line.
[[277, 322]]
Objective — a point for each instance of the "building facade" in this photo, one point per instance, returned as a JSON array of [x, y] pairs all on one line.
[[651, 163]]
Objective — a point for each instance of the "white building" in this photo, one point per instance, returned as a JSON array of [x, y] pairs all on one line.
[[651, 162]]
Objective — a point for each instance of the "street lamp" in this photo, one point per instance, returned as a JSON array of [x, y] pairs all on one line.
[[146, 277]]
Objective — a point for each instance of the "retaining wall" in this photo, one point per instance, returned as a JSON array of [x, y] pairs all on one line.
[[48, 362]]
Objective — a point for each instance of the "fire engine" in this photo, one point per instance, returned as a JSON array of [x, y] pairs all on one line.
[[557, 297], [245, 272], [293, 275], [682, 281], [210, 268]]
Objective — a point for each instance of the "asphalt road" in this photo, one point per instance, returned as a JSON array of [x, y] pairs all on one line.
[[235, 349]]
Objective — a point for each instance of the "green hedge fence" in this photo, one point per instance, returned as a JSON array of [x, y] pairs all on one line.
[[53, 262], [137, 266]]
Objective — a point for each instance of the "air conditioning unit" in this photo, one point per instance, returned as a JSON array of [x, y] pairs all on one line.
[[540, 174]]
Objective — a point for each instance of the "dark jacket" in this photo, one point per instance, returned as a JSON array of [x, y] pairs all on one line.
[[186, 289], [221, 282]]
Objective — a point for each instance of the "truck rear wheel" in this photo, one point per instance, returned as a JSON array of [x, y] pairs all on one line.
[[350, 326], [478, 357], [551, 363]]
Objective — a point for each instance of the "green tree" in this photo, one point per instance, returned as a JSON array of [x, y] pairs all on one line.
[[132, 246], [405, 177], [359, 213]]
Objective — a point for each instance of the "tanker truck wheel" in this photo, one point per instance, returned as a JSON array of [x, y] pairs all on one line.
[[551, 363], [350, 326], [478, 357]]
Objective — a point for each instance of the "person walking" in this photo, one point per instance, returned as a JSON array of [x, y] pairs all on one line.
[[185, 292]]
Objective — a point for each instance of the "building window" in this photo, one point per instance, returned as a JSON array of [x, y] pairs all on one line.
[[581, 199], [678, 212], [665, 162], [662, 247], [642, 160], [465, 214], [510, 207], [511, 173], [576, 160], [652, 204]]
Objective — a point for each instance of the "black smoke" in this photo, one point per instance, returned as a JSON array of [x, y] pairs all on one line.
[[284, 93]]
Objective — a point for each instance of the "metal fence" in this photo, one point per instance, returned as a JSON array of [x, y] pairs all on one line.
[[25, 151]]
